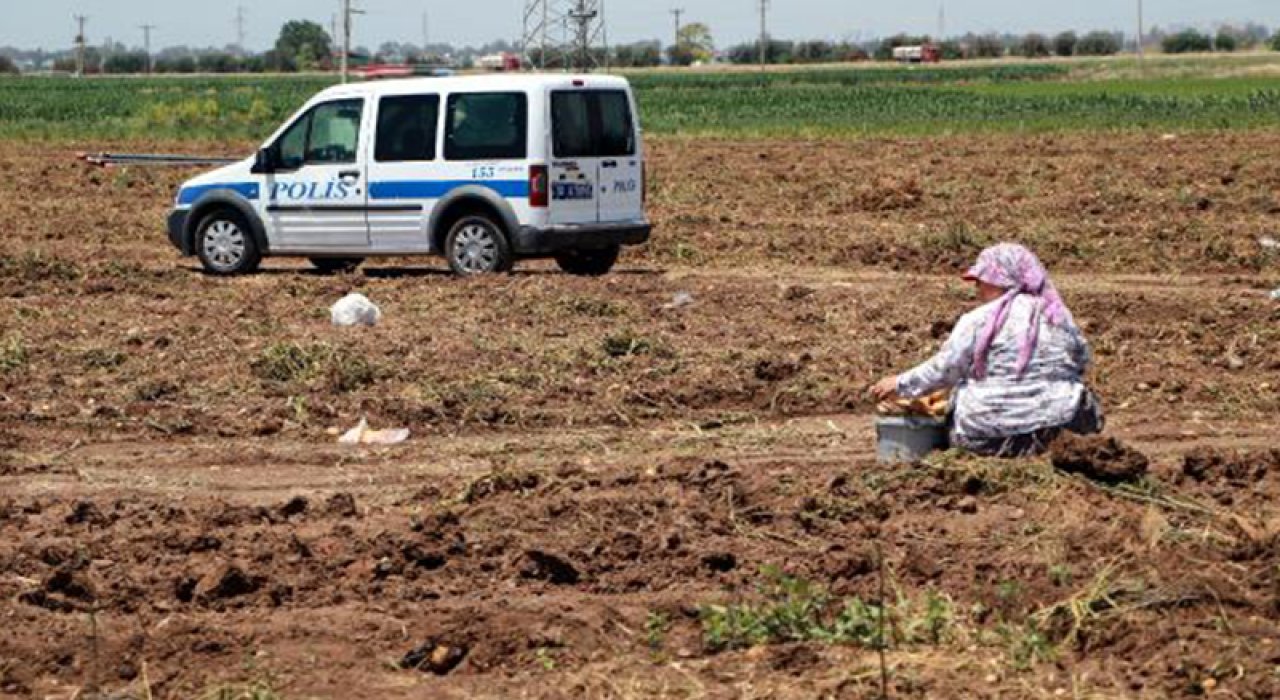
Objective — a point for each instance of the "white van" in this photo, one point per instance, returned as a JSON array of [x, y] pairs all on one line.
[[484, 170]]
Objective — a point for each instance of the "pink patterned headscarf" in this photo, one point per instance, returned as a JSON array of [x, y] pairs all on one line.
[[1017, 270]]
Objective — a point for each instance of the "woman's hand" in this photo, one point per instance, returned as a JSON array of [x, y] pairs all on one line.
[[885, 389]]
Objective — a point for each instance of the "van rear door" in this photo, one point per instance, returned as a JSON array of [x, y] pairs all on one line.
[[596, 167], [621, 198], [575, 169]]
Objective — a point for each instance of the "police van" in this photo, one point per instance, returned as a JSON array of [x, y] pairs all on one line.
[[484, 170]]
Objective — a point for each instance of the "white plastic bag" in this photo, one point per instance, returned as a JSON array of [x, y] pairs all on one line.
[[355, 310], [361, 435]]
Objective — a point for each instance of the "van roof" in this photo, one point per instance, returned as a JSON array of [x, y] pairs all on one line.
[[491, 81]]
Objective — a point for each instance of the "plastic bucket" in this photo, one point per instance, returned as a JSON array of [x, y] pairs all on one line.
[[909, 438]]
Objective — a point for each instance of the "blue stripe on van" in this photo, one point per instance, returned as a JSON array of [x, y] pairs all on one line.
[[435, 189], [248, 190]]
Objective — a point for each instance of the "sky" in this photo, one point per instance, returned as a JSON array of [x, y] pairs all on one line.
[[49, 24]]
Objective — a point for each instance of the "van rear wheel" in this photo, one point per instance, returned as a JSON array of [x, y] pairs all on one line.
[[225, 245], [588, 263], [477, 246], [335, 264]]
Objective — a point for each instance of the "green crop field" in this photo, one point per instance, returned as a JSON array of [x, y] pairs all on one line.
[[841, 101]]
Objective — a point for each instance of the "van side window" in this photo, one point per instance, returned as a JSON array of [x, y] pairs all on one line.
[[592, 124], [407, 128], [292, 146], [328, 133], [486, 126]]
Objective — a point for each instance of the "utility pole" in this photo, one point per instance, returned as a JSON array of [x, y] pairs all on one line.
[[677, 12], [80, 42], [1141, 53], [583, 16], [425, 36], [240, 28], [942, 23], [146, 43], [347, 12], [764, 34]]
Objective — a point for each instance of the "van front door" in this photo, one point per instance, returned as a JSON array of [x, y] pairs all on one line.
[[315, 200]]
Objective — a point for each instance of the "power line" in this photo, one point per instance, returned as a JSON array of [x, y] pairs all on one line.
[[80, 42], [146, 42]]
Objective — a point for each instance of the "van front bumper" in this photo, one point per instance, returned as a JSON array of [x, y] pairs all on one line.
[[531, 240], [178, 228]]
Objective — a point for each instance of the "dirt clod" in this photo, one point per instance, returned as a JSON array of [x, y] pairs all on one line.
[[548, 567], [434, 656], [226, 580], [86, 513], [342, 505], [1209, 464], [294, 506], [1102, 459], [720, 561]]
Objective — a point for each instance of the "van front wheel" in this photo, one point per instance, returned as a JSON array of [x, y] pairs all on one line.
[[589, 263], [225, 245], [477, 246]]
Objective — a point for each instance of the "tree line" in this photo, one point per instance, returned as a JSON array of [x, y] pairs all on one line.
[[306, 46]]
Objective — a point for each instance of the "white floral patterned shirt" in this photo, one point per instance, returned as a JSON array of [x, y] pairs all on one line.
[[1003, 405]]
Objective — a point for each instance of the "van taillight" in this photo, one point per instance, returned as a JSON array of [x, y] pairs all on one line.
[[644, 182], [538, 186]]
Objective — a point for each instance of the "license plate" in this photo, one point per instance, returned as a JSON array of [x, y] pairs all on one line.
[[571, 190]]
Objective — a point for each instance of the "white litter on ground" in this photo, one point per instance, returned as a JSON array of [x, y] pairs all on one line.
[[680, 299], [362, 435], [355, 310]]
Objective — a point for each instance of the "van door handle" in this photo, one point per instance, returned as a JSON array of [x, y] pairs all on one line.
[[609, 164], [349, 174]]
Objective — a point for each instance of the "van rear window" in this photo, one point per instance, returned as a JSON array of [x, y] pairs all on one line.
[[407, 128], [592, 124], [486, 126]]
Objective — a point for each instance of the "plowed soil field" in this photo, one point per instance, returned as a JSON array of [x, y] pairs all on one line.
[[659, 483]]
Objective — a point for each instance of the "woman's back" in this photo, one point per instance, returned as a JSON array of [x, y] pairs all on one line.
[[1060, 354]]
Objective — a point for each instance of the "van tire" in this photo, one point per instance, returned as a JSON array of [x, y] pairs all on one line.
[[225, 245], [329, 265], [477, 245], [588, 263]]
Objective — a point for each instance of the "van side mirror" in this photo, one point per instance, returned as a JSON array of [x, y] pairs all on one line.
[[264, 161]]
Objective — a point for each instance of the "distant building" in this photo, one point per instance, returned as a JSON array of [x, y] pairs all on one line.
[[501, 61], [924, 53]]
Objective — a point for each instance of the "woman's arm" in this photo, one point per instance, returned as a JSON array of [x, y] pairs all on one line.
[[945, 369]]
